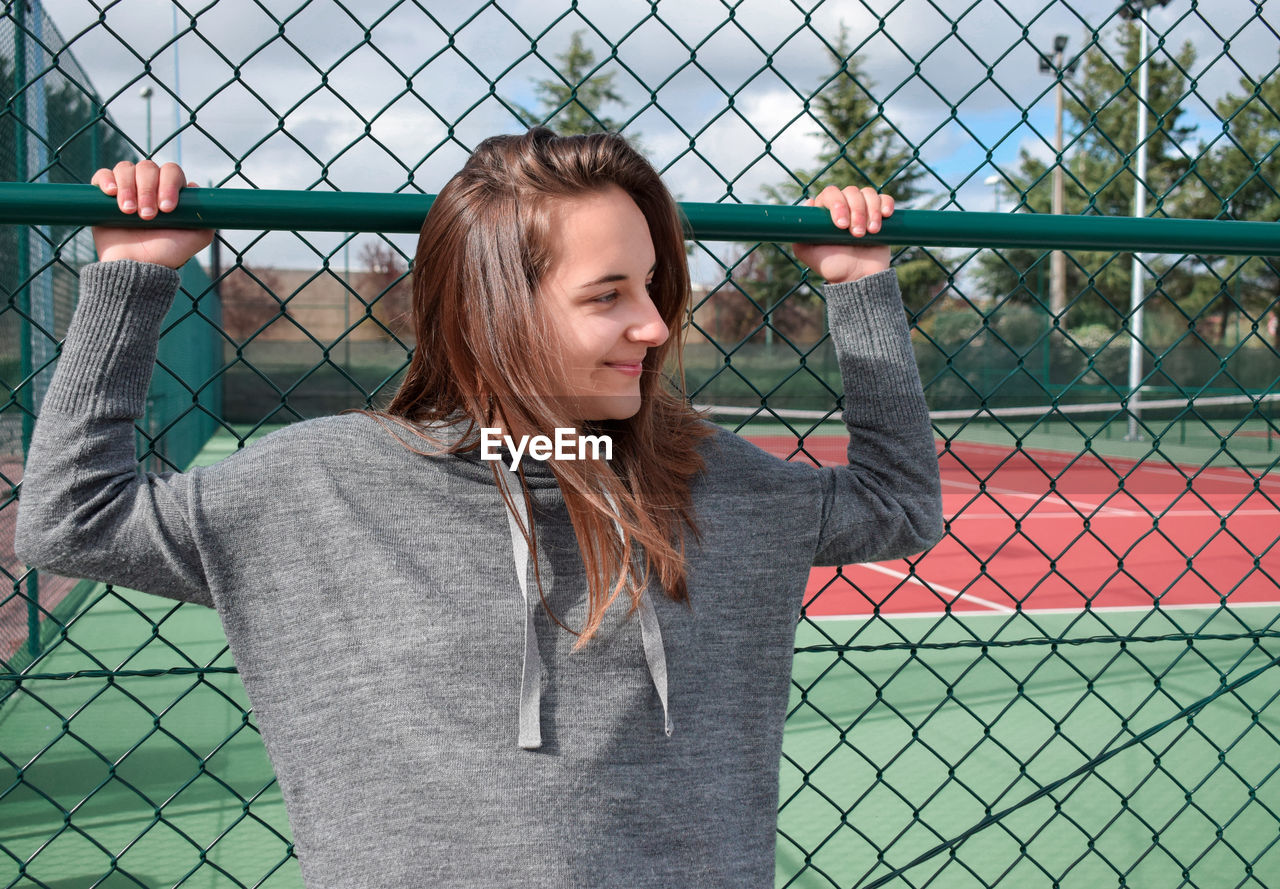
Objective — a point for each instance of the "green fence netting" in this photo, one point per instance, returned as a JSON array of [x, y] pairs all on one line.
[[1075, 688], [55, 130]]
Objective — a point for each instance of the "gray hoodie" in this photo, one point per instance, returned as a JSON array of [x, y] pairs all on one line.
[[428, 723]]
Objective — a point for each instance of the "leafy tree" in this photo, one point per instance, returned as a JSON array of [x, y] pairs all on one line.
[[861, 148], [387, 286], [1238, 177], [1100, 171], [571, 101], [249, 301]]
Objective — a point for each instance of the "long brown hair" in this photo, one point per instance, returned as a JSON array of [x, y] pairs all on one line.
[[485, 247]]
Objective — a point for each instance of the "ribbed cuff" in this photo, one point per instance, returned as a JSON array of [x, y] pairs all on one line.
[[873, 347], [110, 348]]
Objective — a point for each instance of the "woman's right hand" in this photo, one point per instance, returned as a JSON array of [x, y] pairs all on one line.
[[146, 189]]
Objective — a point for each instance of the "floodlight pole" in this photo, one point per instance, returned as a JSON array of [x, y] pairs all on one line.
[[993, 182], [146, 93], [1137, 293], [1137, 9]]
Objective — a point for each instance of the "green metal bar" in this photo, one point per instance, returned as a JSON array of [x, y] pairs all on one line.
[[262, 209]]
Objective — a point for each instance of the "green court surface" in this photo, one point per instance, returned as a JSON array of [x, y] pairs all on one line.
[[150, 770], [892, 752], [887, 753]]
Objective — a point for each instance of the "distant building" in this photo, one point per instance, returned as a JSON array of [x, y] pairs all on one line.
[[293, 303], [301, 304]]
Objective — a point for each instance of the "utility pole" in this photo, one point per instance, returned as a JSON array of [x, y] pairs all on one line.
[[1057, 259]]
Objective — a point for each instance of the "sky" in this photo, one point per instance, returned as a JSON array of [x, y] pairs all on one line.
[[287, 93]]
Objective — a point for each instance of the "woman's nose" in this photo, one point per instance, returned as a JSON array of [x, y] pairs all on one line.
[[648, 326]]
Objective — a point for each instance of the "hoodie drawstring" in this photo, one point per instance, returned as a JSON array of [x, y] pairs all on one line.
[[530, 730], [530, 725], [655, 654]]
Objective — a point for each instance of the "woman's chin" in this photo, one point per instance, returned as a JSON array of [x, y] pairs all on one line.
[[607, 407]]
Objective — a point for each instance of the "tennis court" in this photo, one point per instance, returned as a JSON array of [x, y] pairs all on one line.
[[1076, 688], [1034, 750], [1042, 530], [1058, 676], [1041, 523]]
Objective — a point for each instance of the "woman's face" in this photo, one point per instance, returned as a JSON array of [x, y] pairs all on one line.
[[597, 296]]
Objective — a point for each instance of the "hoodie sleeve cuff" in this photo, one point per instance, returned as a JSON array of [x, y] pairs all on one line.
[[868, 325], [110, 348]]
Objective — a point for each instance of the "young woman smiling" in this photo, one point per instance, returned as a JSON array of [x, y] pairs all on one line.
[[449, 690]]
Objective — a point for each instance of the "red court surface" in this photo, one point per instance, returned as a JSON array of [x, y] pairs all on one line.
[[1111, 532]]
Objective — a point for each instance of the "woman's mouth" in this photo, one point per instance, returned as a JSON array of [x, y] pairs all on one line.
[[630, 368]]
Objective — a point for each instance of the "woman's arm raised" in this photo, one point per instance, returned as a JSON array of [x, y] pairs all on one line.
[[84, 509], [886, 502]]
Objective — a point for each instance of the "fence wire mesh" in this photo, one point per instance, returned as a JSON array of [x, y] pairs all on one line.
[[1076, 687]]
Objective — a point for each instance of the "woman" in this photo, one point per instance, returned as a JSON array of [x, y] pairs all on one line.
[[448, 690]]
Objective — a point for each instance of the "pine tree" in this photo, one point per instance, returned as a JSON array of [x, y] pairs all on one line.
[[1100, 173], [1238, 177], [861, 148], [571, 101]]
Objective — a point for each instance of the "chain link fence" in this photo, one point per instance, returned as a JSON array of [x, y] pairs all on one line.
[[1075, 688], [55, 129]]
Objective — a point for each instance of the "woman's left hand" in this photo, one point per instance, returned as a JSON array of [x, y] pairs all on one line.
[[860, 210]]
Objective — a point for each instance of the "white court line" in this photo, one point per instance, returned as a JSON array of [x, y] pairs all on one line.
[[1135, 466], [1117, 609], [1216, 474], [1099, 508], [911, 578], [1023, 518], [1032, 612], [1166, 514]]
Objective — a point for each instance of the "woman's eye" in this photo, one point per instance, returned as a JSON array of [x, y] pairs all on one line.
[[609, 297]]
